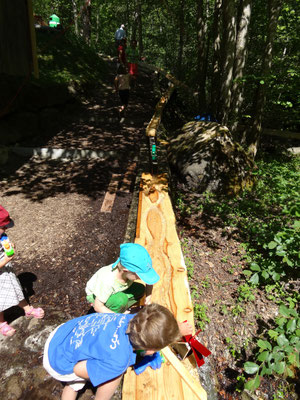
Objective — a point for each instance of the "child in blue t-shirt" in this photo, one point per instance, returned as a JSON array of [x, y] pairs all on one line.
[[100, 348]]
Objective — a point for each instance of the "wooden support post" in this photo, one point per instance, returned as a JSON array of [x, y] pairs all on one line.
[[32, 39]]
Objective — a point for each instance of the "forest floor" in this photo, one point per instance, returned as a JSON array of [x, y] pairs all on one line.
[[62, 239], [230, 321]]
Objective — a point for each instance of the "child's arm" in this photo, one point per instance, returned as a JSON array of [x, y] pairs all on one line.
[[5, 260], [149, 289], [100, 307], [185, 328]]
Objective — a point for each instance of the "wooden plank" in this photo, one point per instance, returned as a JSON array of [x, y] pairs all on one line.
[[189, 380], [111, 193], [157, 232]]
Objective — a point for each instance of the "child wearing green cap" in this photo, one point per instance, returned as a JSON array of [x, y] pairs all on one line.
[[112, 288]]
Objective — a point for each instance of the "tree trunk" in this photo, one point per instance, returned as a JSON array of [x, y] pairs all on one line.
[[274, 7], [74, 8], [140, 26], [201, 56], [181, 39], [240, 61], [216, 63], [135, 21], [228, 44], [86, 21]]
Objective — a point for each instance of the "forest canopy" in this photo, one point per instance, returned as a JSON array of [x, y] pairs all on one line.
[[240, 56]]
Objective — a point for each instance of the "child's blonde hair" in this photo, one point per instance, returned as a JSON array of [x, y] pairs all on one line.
[[153, 328]]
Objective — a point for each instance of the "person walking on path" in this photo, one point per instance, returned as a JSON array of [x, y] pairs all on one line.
[[133, 57], [122, 54], [120, 34], [122, 86], [100, 348], [112, 288], [11, 293]]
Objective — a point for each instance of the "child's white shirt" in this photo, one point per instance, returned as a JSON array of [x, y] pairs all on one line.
[[123, 82]]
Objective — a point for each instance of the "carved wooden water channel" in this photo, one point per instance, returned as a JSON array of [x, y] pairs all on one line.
[[156, 230]]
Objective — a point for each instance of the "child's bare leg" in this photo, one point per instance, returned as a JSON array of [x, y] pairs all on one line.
[[34, 312], [68, 393], [106, 391], [23, 304]]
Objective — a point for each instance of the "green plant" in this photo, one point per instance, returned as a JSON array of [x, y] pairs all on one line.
[[224, 310], [283, 256], [237, 310], [233, 268], [205, 283], [232, 348], [282, 392], [200, 315], [280, 355], [195, 293], [190, 266], [245, 293]]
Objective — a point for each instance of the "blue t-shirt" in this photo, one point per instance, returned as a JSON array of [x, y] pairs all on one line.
[[100, 339]]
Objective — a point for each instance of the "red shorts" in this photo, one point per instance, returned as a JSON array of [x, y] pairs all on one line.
[[133, 68]]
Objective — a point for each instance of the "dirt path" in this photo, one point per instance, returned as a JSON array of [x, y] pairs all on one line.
[[60, 233]]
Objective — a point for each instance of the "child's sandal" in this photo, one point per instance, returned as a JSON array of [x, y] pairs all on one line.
[[34, 313], [6, 329]]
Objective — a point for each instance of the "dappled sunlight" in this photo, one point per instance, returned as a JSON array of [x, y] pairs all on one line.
[[39, 179]]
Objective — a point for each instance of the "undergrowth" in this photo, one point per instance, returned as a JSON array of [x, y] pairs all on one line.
[[267, 223], [64, 58]]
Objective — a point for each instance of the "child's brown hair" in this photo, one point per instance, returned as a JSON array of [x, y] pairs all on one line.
[[153, 328]]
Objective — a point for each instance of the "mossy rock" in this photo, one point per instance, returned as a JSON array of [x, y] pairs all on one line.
[[207, 159]]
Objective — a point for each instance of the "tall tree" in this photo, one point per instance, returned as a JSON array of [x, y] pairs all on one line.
[[201, 55], [216, 60], [240, 62], [86, 21], [75, 13], [228, 57], [274, 7], [140, 26], [181, 39]]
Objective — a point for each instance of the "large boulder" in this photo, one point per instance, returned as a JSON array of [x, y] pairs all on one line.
[[207, 159]]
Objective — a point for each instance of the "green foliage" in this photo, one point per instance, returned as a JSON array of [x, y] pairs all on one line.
[[267, 220], [245, 293], [161, 24], [232, 348], [66, 58], [280, 354], [200, 315]]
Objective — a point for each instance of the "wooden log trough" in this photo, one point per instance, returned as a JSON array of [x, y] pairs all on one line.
[[177, 379]]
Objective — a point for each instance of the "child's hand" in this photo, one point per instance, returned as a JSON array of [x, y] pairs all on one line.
[[153, 361], [5, 260], [185, 328], [148, 300]]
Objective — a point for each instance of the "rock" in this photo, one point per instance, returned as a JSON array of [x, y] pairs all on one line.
[[14, 388], [206, 157], [246, 395]]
